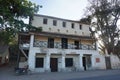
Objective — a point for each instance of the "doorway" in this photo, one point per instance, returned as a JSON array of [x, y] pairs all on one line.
[[108, 62], [87, 62], [54, 64], [84, 63]]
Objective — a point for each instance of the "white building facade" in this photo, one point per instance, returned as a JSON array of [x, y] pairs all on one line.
[[63, 45]]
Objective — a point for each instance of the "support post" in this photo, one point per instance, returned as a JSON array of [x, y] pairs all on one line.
[[47, 62]]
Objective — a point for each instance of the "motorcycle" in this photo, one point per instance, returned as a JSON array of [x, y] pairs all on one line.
[[21, 71]]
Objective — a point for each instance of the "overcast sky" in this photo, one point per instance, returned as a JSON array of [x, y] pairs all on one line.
[[68, 9]]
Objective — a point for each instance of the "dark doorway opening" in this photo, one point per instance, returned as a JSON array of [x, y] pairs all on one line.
[[87, 64], [76, 44], [84, 62], [54, 64], [108, 62], [50, 42], [64, 42]]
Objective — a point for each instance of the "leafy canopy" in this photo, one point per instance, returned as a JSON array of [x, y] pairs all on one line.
[[106, 14], [12, 13]]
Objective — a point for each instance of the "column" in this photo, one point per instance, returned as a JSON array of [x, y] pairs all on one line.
[[92, 62], [31, 55], [47, 62], [63, 63], [31, 60], [31, 40], [80, 67]]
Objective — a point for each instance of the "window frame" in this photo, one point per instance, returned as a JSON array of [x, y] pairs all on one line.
[[64, 24], [45, 20], [68, 62], [54, 22], [72, 25], [39, 63], [80, 27]]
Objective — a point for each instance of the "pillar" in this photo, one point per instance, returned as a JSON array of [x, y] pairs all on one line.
[[92, 62], [31, 55], [63, 63], [80, 67], [31, 60], [47, 62], [31, 40]]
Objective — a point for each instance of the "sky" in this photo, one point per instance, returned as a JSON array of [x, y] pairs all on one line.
[[66, 9]]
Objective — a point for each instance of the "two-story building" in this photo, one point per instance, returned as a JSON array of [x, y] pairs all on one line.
[[63, 45]]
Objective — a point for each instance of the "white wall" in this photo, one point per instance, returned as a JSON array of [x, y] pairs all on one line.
[[115, 62], [38, 22], [95, 54]]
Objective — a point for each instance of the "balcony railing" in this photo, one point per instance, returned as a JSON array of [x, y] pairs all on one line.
[[44, 44]]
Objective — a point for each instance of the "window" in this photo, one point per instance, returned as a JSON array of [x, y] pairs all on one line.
[[54, 23], [64, 43], [72, 25], [97, 60], [44, 21], [68, 62], [64, 24], [50, 42], [39, 62], [80, 27]]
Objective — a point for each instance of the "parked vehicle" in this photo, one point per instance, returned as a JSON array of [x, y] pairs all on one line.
[[21, 71]]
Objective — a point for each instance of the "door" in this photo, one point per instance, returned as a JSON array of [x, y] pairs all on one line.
[[108, 62], [84, 62], [64, 42], [50, 42], [76, 44], [87, 62], [54, 64]]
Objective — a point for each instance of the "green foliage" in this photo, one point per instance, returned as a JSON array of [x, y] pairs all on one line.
[[86, 20], [6, 36], [12, 13]]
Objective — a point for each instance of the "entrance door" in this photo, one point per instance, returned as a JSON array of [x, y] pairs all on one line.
[[108, 62], [76, 44], [54, 64], [87, 62], [84, 62]]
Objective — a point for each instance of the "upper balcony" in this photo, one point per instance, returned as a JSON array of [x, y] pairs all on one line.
[[58, 45], [57, 41]]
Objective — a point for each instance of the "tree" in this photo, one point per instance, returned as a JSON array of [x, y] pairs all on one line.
[[86, 20], [105, 15], [117, 49], [12, 13]]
